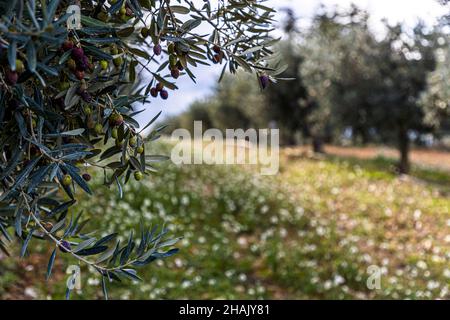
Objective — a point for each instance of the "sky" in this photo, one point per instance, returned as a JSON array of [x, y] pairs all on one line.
[[407, 11]]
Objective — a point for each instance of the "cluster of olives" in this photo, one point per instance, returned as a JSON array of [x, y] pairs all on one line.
[[177, 52], [175, 65], [78, 62], [124, 14], [157, 48], [159, 89], [117, 61], [115, 121]]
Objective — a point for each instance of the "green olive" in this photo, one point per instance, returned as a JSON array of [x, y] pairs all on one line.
[[98, 128], [133, 141], [138, 176], [119, 143], [144, 32], [114, 133], [67, 180], [19, 66], [87, 110], [118, 61], [104, 64], [173, 60]]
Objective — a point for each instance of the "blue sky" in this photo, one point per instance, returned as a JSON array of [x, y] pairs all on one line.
[[408, 11]]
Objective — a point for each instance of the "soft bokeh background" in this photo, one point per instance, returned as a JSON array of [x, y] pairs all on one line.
[[313, 231], [408, 11]]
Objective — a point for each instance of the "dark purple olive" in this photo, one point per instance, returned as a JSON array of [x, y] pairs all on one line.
[[264, 80], [65, 246], [11, 77], [77, 54], [175, 73], [164, 94], [86, 96], [83, 64], [157, 50], [154, 92]]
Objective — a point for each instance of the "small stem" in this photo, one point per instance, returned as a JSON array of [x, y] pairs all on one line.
[[80, 258]]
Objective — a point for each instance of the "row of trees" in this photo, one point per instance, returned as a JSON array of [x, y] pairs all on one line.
[[389, 90]]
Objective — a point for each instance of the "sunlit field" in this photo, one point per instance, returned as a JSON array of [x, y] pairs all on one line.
[[310, 232]]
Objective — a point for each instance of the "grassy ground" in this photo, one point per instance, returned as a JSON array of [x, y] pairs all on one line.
[[310, 232]]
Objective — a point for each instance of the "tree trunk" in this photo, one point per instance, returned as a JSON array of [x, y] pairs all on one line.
[[403, 145], [317, 145], [289, 140], [364, 137]]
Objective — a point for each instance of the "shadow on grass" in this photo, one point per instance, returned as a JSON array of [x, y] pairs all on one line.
[[432, 176]]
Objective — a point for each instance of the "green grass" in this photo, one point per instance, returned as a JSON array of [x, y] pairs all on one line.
[[310, 232], [7, 276], [386, 167]]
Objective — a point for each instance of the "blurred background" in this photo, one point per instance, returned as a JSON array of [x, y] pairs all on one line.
[[364, 180]]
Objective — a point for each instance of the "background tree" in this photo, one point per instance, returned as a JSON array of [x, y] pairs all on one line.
[[288, 104], [373, 87], [382, 88], [320, 46], [198, 111], [66, 107], [436, 100], [236, 102], [404, 63], [353, 96]]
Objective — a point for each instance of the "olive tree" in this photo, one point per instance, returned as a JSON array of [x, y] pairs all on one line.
[[404, 63], [68, 84], [373, 86], [319, 72], [436, 100], [288, 104]]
